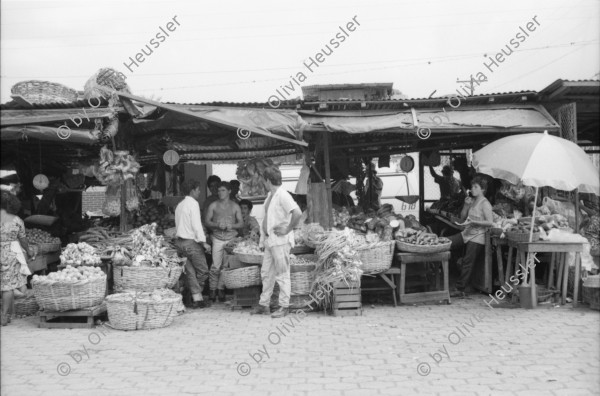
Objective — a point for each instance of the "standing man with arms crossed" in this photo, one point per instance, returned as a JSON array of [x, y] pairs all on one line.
[[191, 241], [224, 218], [282, 215]]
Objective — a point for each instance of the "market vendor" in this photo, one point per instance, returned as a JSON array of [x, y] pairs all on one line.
[[224, 218], [213, 187], [191, 240], [282, 215], [477, 214], [13, 266], [251, 227], [235, 191], [450, 186]]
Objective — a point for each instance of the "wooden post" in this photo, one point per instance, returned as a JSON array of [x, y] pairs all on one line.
[[421, 189], [577, 214], [326, 139], [123, 226]]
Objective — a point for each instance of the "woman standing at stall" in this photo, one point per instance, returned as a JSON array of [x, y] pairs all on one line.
[[12, 238], [476, 215]]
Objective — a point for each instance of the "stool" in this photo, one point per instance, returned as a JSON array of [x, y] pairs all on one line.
[[410, 258], [390, 281]]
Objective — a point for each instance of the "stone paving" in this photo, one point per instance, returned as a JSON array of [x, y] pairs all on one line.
[[465, 348]]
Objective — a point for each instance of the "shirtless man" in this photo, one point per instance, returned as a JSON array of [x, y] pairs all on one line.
[[224, 218]]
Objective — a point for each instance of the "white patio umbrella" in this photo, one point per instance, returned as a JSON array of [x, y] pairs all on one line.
[[539, 160]]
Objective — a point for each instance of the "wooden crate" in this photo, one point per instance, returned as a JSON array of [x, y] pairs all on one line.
[[77, 319], [245, 297], [346, 299]]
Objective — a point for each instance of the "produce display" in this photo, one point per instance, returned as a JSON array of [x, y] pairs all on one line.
[[94, 234], [150, 249], [523, 229], [250, 175], [79, 254], [295, 260], [312, 234], [340, 218], [154, 213], [116, 167], [422, 238], [247, 246], [383, 222], [70, 275], [37, 236], [153, 296]]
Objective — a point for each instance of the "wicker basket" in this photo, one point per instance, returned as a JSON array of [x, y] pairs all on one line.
[[522, 237], [378, 258], [68, 296], [544, 294], [250, 258], [48, 247], [141, 314], [26, 306], [145, 278], [426, 249], [301, 282], [42, 92], [241, 277]]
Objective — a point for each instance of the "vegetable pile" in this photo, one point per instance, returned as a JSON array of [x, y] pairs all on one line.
[[35, 235], [150, 249], [80, 254], [247, 246], [421, 238], [153, 213], [94, 234], [154, 296], [299, 260], [250, 175], [70, 275]]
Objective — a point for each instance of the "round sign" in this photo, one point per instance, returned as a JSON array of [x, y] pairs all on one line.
[[407, 163], [171, 157], [41, 182]]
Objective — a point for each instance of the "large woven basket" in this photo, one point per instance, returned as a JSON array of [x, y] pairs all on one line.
[[378, 258], [241, 277], [302, 276], [427, 249], [141, 314], [42, 92], [250, 258], [26, 306], [48, 247], [60, 297], [145, 278], [521, 236]]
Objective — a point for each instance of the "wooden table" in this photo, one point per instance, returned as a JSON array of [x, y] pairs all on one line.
[[553, 247], [421, 258]]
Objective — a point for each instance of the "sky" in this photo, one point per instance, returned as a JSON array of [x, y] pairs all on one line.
[[243, 51]]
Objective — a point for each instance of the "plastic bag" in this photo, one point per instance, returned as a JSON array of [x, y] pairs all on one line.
[[112, 201], [132, 201], [566, 209]]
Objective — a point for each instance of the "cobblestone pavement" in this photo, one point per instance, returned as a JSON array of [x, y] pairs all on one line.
[[481, 351]]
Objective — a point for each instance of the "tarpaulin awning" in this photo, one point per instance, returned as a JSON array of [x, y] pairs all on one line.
[[464, 119]]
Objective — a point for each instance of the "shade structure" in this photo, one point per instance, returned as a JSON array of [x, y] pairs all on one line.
[[539, 160]]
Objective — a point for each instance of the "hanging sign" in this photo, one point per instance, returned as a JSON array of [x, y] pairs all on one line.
[[171, 158], [41, 182]]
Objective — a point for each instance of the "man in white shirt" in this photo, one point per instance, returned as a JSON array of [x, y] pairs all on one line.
[[282, 214], [191, 241]]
